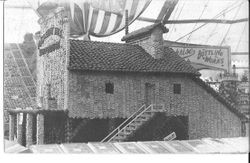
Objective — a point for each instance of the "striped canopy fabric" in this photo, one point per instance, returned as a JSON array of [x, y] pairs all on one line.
[[104, 21], [98, 18], [102, 18]]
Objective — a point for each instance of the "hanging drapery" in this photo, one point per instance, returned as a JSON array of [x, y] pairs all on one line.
[[98, 18]]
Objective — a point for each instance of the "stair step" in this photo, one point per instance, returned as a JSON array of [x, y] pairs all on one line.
[[148, 113], [120, 137], [142, 118], [131, 128], [121, 134], [127, 132], [133, 125], [140, 121], [114, 140], [145, 116]]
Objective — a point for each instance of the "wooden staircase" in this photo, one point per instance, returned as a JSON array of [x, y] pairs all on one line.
[[137, 119]]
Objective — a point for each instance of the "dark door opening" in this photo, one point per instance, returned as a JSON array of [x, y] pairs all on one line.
[[54, 128], [161, 126], [96, 129], [149, 94], [179, 125]]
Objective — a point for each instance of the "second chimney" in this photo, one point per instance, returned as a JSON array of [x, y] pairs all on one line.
[[150, 38]]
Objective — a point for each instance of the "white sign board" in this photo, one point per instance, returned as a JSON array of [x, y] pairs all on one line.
[[170, 137], [203, 56]]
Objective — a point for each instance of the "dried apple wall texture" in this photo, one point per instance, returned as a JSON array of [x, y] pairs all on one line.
[[207, 116]]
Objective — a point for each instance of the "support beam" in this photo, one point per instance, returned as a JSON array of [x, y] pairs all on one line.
[[20, 128], [167, 10], [188, 21], [40, 129], [29, 131], [11, 126], [17, 6]]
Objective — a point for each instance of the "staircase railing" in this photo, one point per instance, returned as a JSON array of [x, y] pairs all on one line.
[[127, 122], [121, 126], [149, 108]]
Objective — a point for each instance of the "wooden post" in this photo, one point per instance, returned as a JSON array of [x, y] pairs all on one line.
[[11, 126], [126, 22], [40, 129], [20, 128], [68, 130], [243, 129], [29, 131]]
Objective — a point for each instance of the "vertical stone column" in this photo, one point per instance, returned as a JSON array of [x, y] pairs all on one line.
[[243, 129], [68, 130], [29, 129], [20, 128], [11, 126], [40, 129]]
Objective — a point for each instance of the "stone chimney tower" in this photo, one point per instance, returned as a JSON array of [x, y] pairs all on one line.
[[53, 50], [149, 38]]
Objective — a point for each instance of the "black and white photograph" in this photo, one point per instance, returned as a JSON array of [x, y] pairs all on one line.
[[125, 77]]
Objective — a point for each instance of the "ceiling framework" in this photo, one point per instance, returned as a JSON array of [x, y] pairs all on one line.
[[188, 21], [196, 18]]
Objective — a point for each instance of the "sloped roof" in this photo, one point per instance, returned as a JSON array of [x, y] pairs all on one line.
[[19, 76], [144, 31], [104, 56], [230, 105]]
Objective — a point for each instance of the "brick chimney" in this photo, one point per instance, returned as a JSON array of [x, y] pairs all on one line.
[[149, 38]]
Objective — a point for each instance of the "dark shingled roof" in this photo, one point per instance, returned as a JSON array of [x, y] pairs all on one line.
[[19, 75], [103, 56], [144, 31]]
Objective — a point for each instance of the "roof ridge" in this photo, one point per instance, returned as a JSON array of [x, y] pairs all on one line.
[[118, 43]]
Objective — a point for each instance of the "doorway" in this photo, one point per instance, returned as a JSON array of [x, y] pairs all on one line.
[[161, 126], [149, 94]]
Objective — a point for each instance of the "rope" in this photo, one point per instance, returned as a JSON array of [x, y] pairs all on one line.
[[240, 37], [21, 25], [218, 15], [224, 38], [205, 6], [212, 32], [177, 19], [174, 14]]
